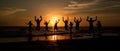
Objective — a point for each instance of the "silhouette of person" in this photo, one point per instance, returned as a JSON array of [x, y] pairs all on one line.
[[29, 26], [38, 22], [46, 25], [99, 29], [30, 31], [55, 25], [66, 23], [99, 26], [71, 26], [77, 21], [91, 27]]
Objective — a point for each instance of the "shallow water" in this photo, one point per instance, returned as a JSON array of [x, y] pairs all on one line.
[[51, 35], [43, 38]]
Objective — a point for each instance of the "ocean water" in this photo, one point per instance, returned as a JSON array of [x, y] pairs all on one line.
[[19, 34]]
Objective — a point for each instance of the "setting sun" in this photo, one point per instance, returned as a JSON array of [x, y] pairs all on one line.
[[53, 19], [58, 25]]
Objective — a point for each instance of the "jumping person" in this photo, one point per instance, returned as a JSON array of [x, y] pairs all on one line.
[[99, 26], [30, 31], [29, 26], [77, 21], [66, 23], [38, 22], [71, 26], [55, 25], [91, 27], [46, 25]]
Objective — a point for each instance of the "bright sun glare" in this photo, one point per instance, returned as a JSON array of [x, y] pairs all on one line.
[[56, 37], [53, 19]]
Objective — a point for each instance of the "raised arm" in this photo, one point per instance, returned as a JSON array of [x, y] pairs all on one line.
[[58, 20], [95, 19], [63, 19], [40, 18], [74, 19], [35, 17], [87, 18], [48, 21], [80, 19]]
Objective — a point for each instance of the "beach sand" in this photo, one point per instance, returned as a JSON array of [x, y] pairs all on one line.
[[65, 41]]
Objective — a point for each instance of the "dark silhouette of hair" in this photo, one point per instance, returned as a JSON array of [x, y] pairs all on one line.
[[55, 25], [38, 22], [71, 26], [46, 25], [99, 26], [91, 27], [66, 23], [77, 21]]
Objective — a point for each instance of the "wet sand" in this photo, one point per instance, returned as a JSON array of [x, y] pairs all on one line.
[[103, 43], [108, 41]]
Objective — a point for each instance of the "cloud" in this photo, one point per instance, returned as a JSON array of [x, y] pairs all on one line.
[[81, 4], [4, 11], [94, 6]]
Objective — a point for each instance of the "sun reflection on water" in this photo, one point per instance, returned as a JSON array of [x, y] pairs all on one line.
[[56, 37]]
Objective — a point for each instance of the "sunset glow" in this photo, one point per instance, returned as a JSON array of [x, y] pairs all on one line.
[[53, 19], [16, 13], [56, 37], [55, 25], [53, 37]]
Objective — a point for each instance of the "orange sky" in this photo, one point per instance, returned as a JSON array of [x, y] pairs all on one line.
[[19, 12]]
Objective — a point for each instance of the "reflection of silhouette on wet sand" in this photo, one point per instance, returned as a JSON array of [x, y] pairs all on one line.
[[30, 37], [67, 44], [74, 44]]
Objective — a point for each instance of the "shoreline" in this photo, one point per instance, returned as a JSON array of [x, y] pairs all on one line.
[[73, 44]]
